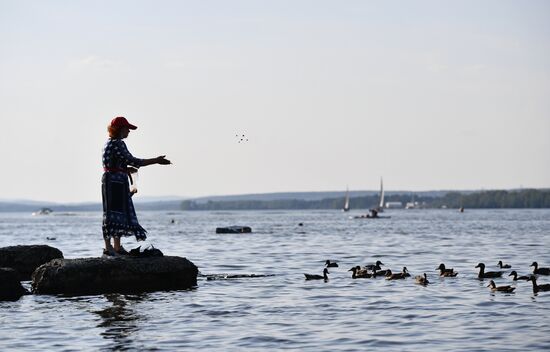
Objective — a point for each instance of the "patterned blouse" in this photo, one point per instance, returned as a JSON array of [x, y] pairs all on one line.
[[117, 157]]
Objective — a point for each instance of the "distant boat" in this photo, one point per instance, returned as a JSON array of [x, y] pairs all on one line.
[[380, 207], [346, 203], [413, 204], [43, 211]]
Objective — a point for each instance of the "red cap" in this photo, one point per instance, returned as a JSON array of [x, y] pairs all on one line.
[[122, 122]]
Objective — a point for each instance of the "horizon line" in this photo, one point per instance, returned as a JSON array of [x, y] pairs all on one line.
[[182, 198]]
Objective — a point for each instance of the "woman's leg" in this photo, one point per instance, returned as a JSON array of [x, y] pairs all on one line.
[[108, 244], [117, 244]]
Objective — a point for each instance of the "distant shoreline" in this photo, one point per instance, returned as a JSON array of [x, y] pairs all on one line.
[[494, 199]]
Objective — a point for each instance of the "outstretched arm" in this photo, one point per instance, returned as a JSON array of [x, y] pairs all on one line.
[[161, 160]]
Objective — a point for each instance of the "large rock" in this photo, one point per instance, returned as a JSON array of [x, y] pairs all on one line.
[[89, 276], [10, 287], [25, 259]]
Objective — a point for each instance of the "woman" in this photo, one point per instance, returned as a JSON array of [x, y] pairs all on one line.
[[119, 216]]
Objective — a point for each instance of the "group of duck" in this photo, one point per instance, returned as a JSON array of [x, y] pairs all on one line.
[[375, 270]]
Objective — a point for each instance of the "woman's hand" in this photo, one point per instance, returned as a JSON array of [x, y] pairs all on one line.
[[162, 160]]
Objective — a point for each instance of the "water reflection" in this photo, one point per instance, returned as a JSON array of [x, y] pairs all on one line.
[[120, 320]]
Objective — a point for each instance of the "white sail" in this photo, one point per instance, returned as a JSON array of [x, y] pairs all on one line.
[[381, 204], [346, 203]]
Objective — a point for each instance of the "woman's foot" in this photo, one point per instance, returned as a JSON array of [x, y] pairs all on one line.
[[121, 251], [109, 252]]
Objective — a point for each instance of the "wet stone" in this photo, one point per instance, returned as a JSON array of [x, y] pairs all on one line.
[[10, 287], [125, 274], [25, 259]]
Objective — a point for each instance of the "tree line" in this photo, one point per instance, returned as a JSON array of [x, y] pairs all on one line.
[[528, 198]]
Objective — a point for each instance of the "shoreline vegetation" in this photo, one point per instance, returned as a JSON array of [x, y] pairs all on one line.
[[529, 198], [493, 199]]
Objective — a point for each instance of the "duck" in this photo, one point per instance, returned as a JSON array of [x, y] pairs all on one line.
[[318, 277], [540, 271], [358, 273], [397, 276], [487, 275], [374, 266], [446, 272], [503, 266], [538, 288], [330, 264], [495, 288], [422, 279], [449, 274], [376, 273], [516, 277]]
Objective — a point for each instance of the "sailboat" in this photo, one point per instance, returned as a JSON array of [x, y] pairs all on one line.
[[346, 203], [380, 207]]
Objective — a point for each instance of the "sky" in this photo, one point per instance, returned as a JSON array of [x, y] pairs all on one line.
[[428, 95]]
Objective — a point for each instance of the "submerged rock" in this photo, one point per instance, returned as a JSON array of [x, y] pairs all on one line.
[[10, 287], [25, 259], [88, 276], [233, 229]]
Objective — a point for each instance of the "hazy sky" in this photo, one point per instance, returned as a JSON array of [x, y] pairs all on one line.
[[428, 94]]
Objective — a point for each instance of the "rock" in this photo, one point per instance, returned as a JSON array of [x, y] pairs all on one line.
[[25, 259], [89, 276], [233, 229], [10, 287]]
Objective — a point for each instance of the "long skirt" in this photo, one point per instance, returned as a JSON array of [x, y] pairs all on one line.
[[119, 215]]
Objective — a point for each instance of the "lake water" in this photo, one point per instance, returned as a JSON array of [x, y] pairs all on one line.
[[285, 311]]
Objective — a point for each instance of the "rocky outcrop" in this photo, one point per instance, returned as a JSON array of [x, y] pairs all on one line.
[[25, 259], [10, 287], [234, 229], [124, 274]]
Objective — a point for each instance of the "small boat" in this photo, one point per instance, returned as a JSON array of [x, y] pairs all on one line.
[[373, 214], [42, 211]]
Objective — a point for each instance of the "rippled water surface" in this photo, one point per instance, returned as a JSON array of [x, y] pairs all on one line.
[[284, 311]]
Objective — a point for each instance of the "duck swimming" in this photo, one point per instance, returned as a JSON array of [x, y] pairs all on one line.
[[397, 276], [422, 279], [446, 272], [376, 273], [374, 266], [503, 266], [516, 277], [487, 275], [540, 271], [330, 264], [538, 288], [358, 273], [318, 277], [495, 288]]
